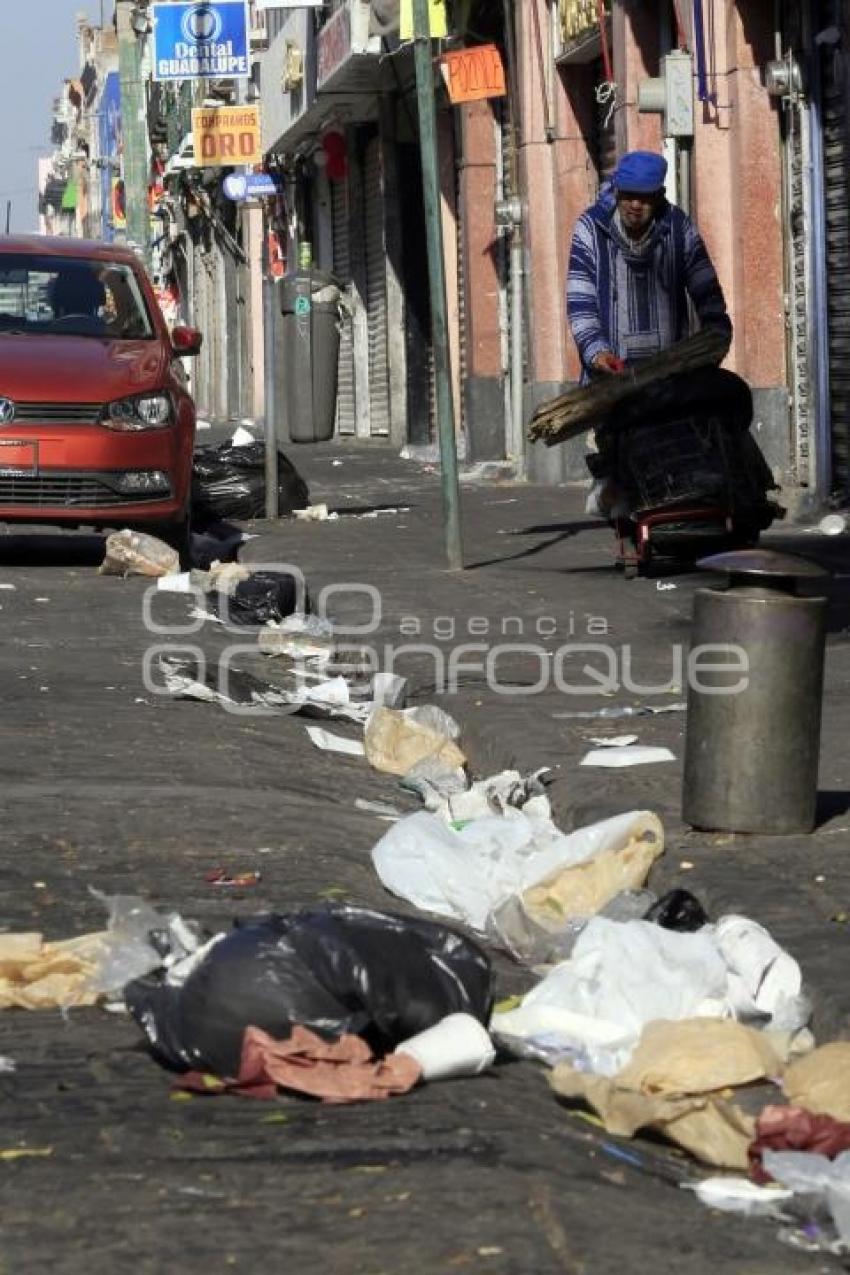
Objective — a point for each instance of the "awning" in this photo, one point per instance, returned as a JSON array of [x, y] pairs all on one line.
[[69, 195]]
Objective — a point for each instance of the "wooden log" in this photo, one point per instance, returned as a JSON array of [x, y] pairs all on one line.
[[587, 406]]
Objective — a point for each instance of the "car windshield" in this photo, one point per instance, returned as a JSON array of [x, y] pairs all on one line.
[[57, 296]]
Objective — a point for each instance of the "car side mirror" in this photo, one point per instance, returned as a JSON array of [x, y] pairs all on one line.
[[186, 341]]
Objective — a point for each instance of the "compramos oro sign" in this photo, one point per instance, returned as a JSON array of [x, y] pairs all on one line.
[[206, 39]]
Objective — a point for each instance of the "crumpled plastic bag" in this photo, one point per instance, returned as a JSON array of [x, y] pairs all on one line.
[[820, 1082], [711, 1128], [826, 1181], [763, 977], [135, 553], [335, 970], [621, 976], [138, 939], [397, 739], [466, 874]]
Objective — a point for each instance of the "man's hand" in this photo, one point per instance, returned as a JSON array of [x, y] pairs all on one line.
[[608, 362]]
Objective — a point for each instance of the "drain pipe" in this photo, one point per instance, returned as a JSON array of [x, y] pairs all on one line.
[[509, 216]]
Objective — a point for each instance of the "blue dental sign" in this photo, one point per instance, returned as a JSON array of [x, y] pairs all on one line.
[[244, 186], [206, 40]]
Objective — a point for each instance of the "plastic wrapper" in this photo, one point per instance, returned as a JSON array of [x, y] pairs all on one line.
[[138, 940], [334, 970], [230, 482], [134, 553]]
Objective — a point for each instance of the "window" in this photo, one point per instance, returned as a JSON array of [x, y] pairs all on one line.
[[57, 296]]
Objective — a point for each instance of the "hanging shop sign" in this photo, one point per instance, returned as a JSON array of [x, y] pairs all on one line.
[[578, 17], [208, 40], [241, 187], [473, 74], [226, 136]]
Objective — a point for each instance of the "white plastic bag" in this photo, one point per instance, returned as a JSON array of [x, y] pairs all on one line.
[[621, 976], [814, 1175], [763, 978], [467, 874]]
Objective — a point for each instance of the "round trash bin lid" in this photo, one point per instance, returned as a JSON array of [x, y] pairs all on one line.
[[764, 564]]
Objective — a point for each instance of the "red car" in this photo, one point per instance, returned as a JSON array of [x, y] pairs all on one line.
[[97, 425]]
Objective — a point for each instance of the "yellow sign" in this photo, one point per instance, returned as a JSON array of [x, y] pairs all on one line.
[[226, 136], [436, 18], [579, 16]]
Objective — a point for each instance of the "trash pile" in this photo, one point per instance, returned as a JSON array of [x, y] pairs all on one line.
[[229, 481], [645, 1011]]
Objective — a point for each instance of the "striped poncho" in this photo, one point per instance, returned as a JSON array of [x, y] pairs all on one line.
[[633, 301]]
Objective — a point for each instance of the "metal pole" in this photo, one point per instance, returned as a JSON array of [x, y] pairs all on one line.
[[134, 123], [437, 280], [269, 350], [8, 215], [517, 422]]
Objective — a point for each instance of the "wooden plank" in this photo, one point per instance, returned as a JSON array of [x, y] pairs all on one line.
[[586, 406]]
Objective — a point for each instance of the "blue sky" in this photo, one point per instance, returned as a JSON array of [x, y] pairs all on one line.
[[39, 44]]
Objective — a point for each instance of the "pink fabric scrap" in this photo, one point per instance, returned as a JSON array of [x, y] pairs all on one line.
[[337, 1071]]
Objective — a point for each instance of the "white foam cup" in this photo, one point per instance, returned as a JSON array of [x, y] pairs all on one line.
[[456, 1046]]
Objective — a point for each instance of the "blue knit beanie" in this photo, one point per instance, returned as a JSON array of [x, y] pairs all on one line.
[[641, 173]]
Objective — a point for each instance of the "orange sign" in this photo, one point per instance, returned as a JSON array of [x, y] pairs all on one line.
[[226, 136], [474, 73]]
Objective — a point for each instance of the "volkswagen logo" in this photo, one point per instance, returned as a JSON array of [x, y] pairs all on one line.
[[7, 411]]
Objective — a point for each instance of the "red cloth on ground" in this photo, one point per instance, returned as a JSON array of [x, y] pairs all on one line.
[[337, 1071], [794, 1129]]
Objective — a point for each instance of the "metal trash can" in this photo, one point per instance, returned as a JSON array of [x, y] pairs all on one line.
[[751, 756], [309, 303]]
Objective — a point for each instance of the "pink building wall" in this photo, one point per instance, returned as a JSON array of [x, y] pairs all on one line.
[[736, 178]]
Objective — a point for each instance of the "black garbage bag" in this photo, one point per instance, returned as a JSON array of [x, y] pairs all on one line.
[[230, 482], [335, 970], [264, 596], [678, 910]]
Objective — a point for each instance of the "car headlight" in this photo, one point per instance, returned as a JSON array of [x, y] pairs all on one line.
[[148, 411]]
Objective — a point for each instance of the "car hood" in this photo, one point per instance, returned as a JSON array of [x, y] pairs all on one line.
[[69, 369]]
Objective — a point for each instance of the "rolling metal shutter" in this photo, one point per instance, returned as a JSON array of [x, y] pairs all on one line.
[[376, 289], [346, 400], [797, 283], [836, 142]]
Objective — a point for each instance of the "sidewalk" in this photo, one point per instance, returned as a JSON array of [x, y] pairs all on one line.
[[540, 573]]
